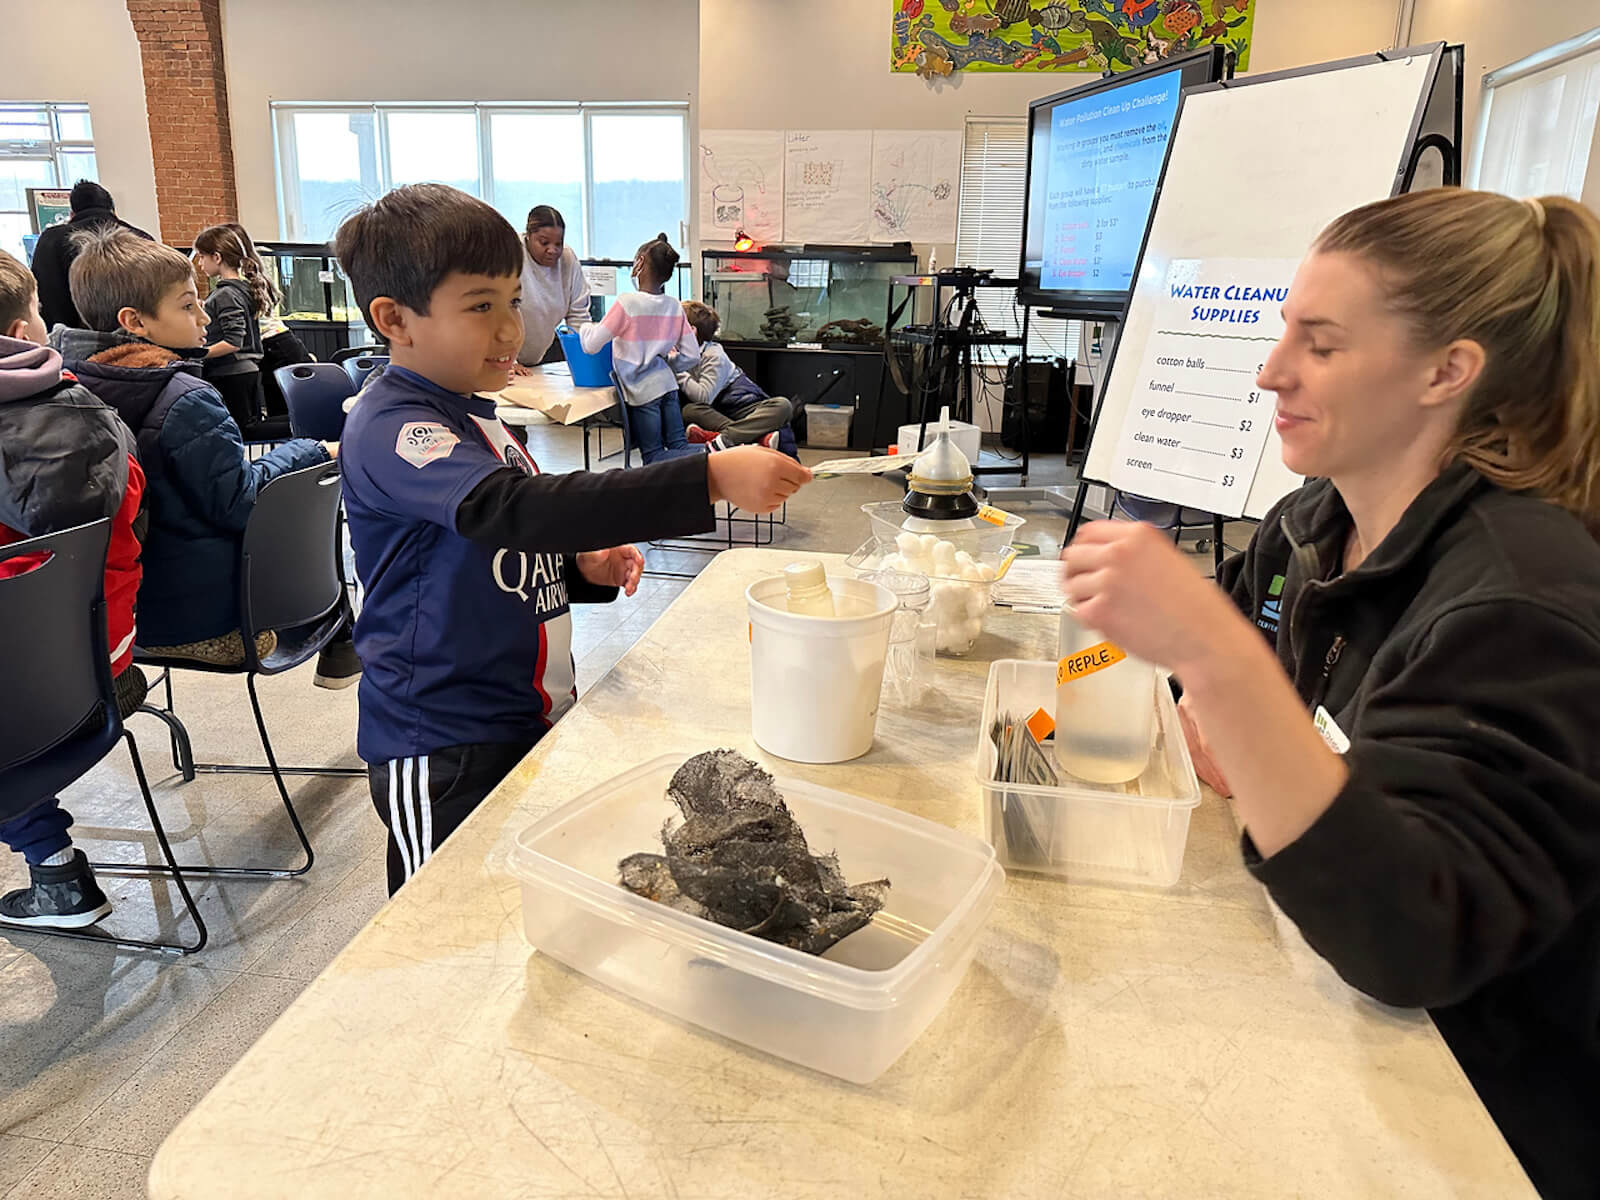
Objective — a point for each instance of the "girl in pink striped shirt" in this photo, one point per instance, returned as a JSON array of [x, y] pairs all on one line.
[[653, 340]]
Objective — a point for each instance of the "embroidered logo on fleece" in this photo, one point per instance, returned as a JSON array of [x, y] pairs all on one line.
[[1272, 606], [423, 442]]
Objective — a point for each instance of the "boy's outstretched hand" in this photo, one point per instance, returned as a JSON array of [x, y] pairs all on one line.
[[754, 478], [618, 567]]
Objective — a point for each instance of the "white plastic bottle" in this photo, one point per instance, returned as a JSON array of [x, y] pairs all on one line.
[[1105, 707], [806, 585]]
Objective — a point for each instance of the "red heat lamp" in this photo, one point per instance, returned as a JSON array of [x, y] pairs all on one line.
[[743, 242]]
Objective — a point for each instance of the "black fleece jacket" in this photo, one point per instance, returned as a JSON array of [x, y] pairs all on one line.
[[1459, 868]]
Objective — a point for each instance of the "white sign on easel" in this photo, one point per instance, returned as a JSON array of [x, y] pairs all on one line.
[[1195, 430]]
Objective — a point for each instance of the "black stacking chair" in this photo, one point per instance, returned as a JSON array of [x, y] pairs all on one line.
[[315, 394], [60, 707], [290, 583], [363, 365]]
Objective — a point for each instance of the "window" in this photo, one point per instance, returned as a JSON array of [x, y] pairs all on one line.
[[994, 166], [41, 146], [617, 173], [1536, 133]]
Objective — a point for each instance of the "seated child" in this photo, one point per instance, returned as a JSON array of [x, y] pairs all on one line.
[[68, 461], [653, 339], [141, 354], [469, 556], [722, 405]]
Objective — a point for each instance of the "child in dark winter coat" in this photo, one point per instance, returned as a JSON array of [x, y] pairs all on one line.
[[65, 460], [141, 355]]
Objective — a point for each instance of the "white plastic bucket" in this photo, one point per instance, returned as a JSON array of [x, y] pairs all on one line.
[[814, 681]]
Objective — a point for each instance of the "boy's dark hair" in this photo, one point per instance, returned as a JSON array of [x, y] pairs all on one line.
[[659, 257], [403, 244], [17, 290], [115, 269], [87, 194], [542, 216], [702, 319]]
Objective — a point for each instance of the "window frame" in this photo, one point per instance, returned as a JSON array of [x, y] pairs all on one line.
[[292, 225], [52, 147], [1045, 339], [1584, 46]]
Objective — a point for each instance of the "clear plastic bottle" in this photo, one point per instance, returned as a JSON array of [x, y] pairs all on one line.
[[806, 585], [1105, 707]]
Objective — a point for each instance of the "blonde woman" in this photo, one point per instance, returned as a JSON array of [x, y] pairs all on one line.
[[1412, 747]]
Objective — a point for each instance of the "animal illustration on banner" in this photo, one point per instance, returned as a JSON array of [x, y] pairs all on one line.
[[938, 37]]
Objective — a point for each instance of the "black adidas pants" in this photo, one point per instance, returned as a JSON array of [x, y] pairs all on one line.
[[423, 800]]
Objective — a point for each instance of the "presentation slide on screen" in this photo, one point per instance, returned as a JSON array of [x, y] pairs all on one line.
[[1105, 160]]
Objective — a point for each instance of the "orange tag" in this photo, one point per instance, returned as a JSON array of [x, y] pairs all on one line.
[[1041, 725], [992, 515], [750, 633], [1087, 662]]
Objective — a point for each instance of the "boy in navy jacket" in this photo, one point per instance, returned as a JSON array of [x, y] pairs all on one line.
[[141, 355], [470, 557]]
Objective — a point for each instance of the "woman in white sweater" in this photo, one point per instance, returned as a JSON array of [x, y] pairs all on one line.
[[553, 287]]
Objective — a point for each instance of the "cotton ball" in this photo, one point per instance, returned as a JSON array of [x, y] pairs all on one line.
[[971, 631], [986, 572], [944, 559], [974, 603], [963, 559], [969, 570], [930, 544], [909, 544]]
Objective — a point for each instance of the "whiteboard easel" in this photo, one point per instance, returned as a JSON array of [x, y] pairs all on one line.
[[1255, 169]]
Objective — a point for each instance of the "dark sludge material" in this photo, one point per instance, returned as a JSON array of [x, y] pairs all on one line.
[[740, 859]]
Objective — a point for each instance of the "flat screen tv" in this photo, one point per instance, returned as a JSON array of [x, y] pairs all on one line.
[[1095, 155]]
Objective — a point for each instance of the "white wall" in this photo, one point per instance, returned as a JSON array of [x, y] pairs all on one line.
[[1498, 34], [74, 50], [425, 50], [772, 64]]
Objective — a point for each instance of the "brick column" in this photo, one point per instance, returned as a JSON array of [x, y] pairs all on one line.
[[186, 94]]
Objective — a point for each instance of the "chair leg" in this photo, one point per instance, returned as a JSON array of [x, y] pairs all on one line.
[[171, 870], [207, 871], [182, 750]]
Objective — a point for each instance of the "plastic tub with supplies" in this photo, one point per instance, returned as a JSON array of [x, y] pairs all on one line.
[[1128, 833], [850, 1012]]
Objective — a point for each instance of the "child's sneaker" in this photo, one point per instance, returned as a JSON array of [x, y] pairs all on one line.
[[770, 440], [698, 436], [64, 897], [337, 665]]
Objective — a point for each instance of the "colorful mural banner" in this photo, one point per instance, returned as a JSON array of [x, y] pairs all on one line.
[[939, 37]]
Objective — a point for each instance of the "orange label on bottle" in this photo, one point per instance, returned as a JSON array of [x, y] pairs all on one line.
[[1087, 662], [992, 515]]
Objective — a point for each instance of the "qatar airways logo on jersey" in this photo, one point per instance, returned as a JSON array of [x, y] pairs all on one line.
[[536, 579]]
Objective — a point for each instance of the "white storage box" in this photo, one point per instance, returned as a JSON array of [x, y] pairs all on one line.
[[1130, 833], [966, 438], [849, 1013], [828, 425]]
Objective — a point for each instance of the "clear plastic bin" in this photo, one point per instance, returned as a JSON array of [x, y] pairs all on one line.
[[849, 1013], [957, 607], [1128, 833], [982, 539], [828, 425]]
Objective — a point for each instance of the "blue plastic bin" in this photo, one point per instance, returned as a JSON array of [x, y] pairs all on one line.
[[588, 370]]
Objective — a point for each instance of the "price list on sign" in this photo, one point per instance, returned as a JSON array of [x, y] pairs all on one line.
[[1198, 422]]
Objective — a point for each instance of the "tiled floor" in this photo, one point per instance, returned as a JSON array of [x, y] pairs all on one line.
[[101, 1053]]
